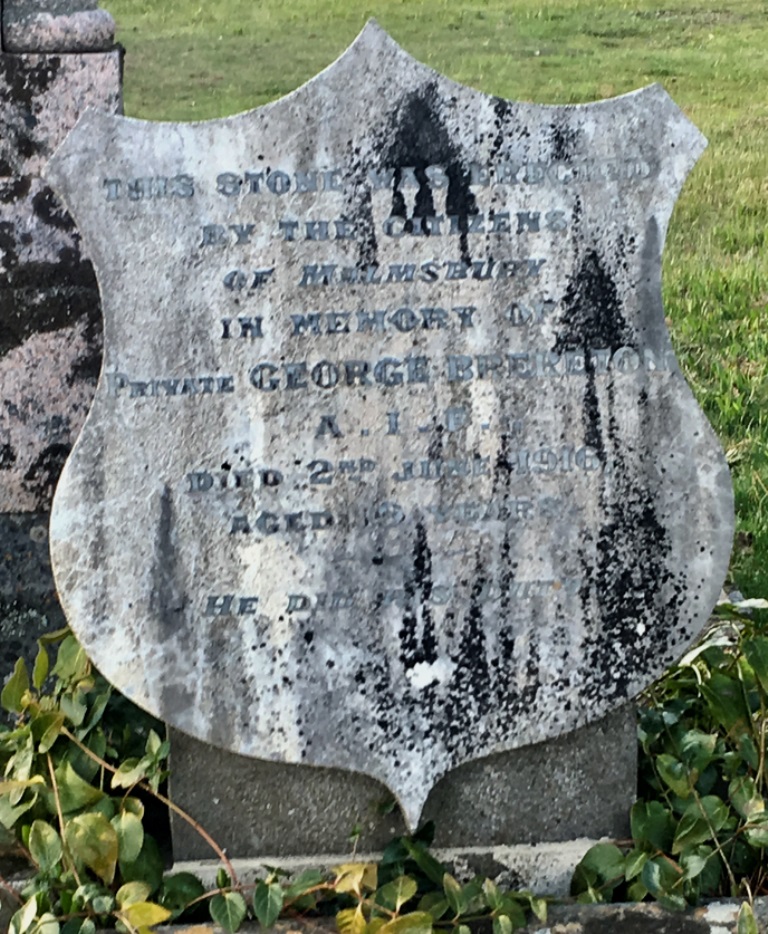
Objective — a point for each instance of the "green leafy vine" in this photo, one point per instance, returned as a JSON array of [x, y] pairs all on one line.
[[77, 777]]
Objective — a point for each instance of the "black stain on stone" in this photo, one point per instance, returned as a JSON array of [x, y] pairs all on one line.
[[7, 457], [49, 210], [13, 188], [22, 84], [629, 563], [592, 316], [502, 110], [563, 139], [165, 600], [418, 641], [469, 697], [359, 210], [592, 319], [38, 296], [43, 474], [416, 136]]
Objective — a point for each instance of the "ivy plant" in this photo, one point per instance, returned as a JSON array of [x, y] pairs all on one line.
[[76, 777], [79, 771], [700, 825]]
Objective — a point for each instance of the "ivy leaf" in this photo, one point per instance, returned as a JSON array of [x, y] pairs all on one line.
[[695, 828], [675, 775], [416, 922], [228, 910], [44, 845], [661, 876], [748, 751], [153, 745], [747, 923], [15, 688], [305, 881], [146, 914], [40, 668], [147, 868], [756, 831], [79, 926], [756, 652], [435, 903], [396, 893], [132, 892], [74, 792], [602, 863], [267, 902], [92, 895], [652, 824], [352, 921], [129, 773], [697, 749], [47, 728], [354, 877], [133, 806], [92, 841], [178, 891], [47, 924], [745, 797], [454, 894], [725, 700], [71, 661], [492, 894], [634, 862], [74, 707], [24, 918], [694, 861], [432, 868], [502, 924], [130, 836], [538, 907]]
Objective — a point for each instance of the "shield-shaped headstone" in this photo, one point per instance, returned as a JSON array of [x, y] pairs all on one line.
[[391, 464]]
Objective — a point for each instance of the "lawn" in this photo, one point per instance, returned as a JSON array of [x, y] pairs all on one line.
[[190, 61]]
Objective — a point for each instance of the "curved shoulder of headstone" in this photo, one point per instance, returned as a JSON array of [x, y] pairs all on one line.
[[56, 26]]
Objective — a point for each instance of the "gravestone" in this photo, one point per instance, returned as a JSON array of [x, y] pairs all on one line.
[[50, 318], [391, 467]]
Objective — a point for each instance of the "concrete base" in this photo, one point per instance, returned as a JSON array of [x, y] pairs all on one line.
[[580, 785], [546, 867], [716, 918]]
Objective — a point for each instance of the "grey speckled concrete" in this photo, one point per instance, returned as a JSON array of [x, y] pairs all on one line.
[[391, 466], [588, 779]]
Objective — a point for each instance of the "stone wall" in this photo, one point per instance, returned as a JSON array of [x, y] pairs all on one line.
[[58, 58]]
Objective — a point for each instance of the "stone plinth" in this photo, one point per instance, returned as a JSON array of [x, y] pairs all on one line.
[[579, 785]]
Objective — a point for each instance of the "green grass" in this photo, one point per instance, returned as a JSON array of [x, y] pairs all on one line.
[[189, 60]]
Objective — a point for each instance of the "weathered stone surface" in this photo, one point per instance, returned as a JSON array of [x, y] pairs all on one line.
[[56, 26], [587, 778], [391, 466], [50, 338], [28, 605], [50, 326]]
